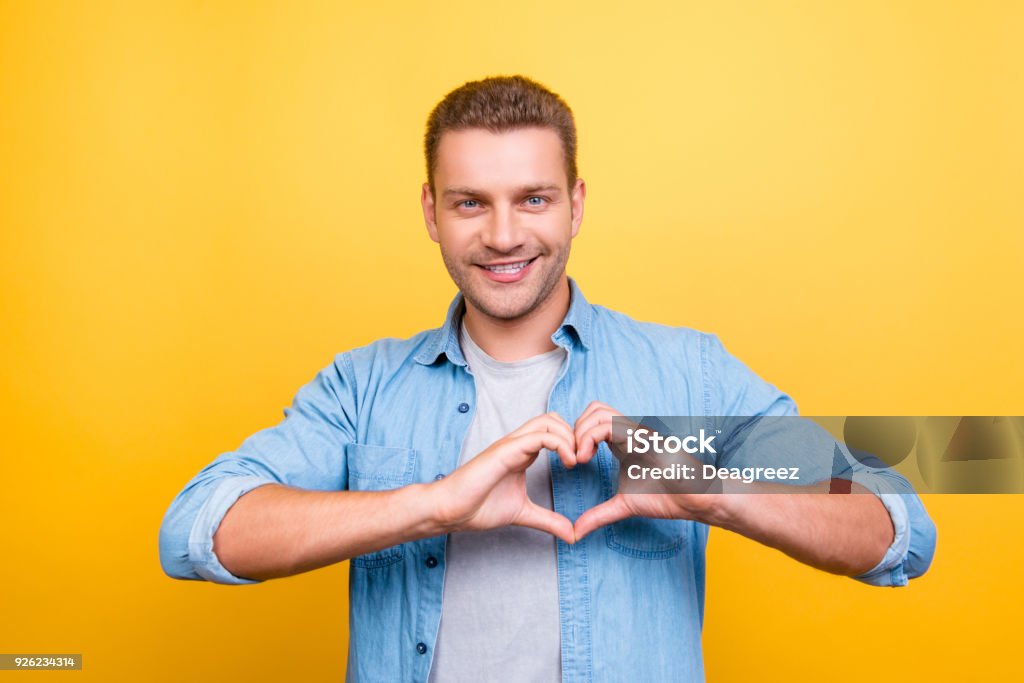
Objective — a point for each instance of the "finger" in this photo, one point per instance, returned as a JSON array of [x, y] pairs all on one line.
[[531, 424], [555, 423], [601, 414], [612, 510], [551, 422], [588, 441], [592, 431], [527, 446], [591, 408], [537, 517]]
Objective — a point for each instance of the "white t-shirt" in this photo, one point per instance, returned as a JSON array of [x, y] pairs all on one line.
[[499, 616]]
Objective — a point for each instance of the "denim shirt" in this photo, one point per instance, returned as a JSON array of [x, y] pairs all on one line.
[[395, 412]]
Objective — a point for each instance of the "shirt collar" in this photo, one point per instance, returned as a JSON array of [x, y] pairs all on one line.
[[445, 339]]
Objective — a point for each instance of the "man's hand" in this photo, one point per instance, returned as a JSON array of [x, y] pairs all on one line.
[[489, 491], [842, 534], [277, 530], [595, 426]]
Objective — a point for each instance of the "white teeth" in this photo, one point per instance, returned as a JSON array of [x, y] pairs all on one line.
[[508, 267]]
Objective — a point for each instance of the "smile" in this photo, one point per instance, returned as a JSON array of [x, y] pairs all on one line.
[[509, 268], [508, 273]]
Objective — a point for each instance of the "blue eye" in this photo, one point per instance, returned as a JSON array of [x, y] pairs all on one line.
[[469, 203], [536, 201]]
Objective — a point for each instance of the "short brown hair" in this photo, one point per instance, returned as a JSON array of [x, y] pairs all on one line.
[[500, 104]]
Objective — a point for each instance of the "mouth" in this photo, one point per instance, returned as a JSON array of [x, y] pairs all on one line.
[[508, 272]]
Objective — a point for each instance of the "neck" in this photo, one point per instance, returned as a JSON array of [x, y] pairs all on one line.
[[523, 337]]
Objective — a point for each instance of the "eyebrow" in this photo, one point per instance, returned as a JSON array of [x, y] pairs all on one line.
[[525, 189]]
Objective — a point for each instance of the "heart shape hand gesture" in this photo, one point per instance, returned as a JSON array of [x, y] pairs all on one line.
[[489, 491]]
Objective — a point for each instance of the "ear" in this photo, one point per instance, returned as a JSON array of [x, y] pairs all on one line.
[[429, 211], [579, 193]]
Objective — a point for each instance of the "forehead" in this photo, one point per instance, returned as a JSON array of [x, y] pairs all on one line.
[[478, 157]]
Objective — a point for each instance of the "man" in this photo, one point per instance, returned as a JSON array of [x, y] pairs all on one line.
[[473, 558]]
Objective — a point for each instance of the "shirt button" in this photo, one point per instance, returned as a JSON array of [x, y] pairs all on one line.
[[463, 407], [438, 477], [431, 562], [421, 648]]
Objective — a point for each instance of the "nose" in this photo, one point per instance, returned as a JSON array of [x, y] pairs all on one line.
[[503, 231]]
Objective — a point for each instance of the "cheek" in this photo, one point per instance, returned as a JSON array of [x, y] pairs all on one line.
[[555, 227], [453, 243]]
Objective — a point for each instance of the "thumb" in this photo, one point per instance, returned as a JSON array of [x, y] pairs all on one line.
[[612, 510], [536, 517]]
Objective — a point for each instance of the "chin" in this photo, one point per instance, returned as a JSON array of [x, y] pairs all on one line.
[[507, 302], [502, 310]]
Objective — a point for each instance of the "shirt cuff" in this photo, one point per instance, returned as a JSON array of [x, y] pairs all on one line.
[[890, 571], [200, 540]]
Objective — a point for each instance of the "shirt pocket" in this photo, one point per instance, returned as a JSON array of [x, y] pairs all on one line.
[[379, 468], [642, 538]]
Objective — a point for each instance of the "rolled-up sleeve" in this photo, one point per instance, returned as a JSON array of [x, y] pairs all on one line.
[[305, 450], [743, 393], [200, 541], [913, 545]]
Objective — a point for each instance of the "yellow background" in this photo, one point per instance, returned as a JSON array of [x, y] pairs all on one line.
[[201, 203]]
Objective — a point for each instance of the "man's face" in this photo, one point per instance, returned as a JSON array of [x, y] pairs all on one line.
[[504, 216]]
